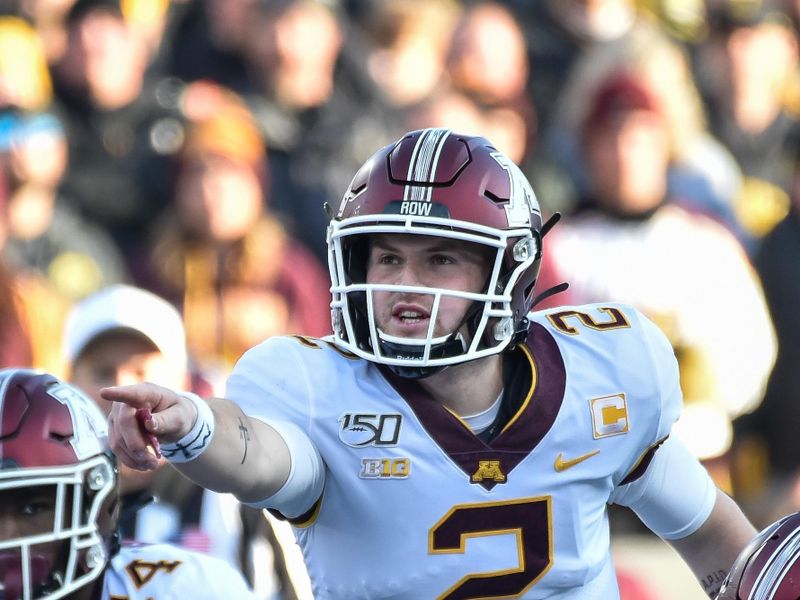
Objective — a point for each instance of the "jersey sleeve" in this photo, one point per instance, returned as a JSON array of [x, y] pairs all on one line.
[[666, 375], [669, 510], [672, 511], [271, 383], [658, 373]]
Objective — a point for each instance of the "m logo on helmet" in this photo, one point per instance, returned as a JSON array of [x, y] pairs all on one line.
[[522, 201], [86, 419]]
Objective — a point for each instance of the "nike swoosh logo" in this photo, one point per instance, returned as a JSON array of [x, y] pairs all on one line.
[[563, 465]]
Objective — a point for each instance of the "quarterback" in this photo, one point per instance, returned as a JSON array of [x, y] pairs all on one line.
[[445, 441], [59, 507]]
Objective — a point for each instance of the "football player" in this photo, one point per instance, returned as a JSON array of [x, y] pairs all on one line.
[[59, 505], [446, 442]]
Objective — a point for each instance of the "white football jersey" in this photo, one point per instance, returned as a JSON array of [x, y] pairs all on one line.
[[165, 572], [417, 506]]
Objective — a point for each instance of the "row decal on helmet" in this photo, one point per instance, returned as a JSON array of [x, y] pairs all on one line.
[[522, 201], [422, 166]]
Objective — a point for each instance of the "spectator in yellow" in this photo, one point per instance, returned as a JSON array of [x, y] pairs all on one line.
[[220, 254]]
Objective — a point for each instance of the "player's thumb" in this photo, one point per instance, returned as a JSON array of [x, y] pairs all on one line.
[[173, 422]]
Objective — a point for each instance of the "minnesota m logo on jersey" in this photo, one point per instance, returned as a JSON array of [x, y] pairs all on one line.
[[488, 469]]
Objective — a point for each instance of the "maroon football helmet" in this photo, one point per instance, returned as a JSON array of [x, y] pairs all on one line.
[[53, 442], [769, 567], [435, 182]]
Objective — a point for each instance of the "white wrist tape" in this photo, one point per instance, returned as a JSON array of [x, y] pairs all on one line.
[[194, 443]]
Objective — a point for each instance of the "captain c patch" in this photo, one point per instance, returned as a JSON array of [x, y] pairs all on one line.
[[609, 415]]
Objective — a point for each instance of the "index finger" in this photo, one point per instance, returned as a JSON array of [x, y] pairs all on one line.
[[137, 395]]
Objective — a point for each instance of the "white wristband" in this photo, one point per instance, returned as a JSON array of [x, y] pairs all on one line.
[[194, 443]]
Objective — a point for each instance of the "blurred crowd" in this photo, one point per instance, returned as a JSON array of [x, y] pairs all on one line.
[[175, 155]]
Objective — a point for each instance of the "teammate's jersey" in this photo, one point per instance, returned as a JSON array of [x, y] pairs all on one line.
[[416, 506], [164, 572]]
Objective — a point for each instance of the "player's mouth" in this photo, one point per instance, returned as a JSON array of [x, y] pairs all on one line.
[[410, 318]]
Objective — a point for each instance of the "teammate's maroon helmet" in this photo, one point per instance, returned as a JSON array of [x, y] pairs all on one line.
[[436, 182], [769, 567], [53, 443]]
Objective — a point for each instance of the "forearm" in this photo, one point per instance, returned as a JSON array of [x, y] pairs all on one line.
[[245, 457], [712, 549]]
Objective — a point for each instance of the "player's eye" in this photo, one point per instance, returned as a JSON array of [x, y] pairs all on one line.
[[388, 259], [442, 259], [36, 507]]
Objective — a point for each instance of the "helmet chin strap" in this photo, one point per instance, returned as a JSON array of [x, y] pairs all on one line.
[[391, 347], [53, 583], [441, 347]]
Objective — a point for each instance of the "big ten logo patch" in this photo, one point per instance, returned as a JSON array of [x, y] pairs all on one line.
[[385, 468], [359, 430]]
